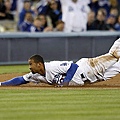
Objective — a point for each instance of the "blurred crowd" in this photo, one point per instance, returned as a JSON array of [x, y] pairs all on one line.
[[61, 15]]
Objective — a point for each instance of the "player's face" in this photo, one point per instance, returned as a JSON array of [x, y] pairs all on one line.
[[36, 67]]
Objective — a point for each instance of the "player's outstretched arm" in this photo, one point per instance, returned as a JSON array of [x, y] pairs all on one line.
[[14, 82]]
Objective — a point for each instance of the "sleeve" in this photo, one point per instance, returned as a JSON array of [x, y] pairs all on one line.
[[21, 17], [14, 82], [35, 78], [70, 73], [22, 27]]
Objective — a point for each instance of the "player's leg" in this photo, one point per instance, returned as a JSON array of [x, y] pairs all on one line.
[[101, 63], [112, 71], [115, 49], [94, 68]]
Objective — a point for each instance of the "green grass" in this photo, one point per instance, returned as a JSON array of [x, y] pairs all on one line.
[[23, 103], [14, 69], [59, 104]]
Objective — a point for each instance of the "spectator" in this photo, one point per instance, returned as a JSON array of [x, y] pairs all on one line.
[[54, 13], [42, 7], [111, 22], [91, 19], [26, 8], [27, 22], [114, 4], [74, 15], [20, 4], [115, 7], [117, 25], [2, 10], [95, 5], [44, 24], [8, 6], [59, 26], [13, 5], [5, 12], [118, 7], [114, 11], [99, 23], [36, 27]]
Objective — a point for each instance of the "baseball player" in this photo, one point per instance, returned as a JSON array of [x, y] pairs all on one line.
[[64, 73]]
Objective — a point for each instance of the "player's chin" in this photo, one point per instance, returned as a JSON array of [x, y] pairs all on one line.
[[32, 71]]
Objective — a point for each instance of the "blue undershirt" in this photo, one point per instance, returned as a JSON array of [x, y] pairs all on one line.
[[14, 82]]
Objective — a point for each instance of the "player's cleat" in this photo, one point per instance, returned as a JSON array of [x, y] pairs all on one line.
[[115, 49]]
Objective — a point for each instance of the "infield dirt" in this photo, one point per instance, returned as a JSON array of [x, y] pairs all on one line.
[[113, 82]]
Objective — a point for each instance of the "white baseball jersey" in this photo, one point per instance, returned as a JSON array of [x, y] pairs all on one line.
[[75, 15], [57, 69]]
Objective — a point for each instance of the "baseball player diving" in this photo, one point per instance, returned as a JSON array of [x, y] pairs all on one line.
[[66, 73]]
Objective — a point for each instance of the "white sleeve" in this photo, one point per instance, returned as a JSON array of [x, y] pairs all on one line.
[[27, 76], [0, 83], [36, 78]]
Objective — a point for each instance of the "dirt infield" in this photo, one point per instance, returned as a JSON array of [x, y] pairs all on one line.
[[113, 82]]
